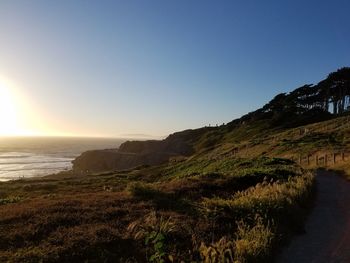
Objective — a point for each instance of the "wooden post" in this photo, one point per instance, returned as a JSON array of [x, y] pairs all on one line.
[[342, 156], [334, 157], [325, 160], [316, 159]]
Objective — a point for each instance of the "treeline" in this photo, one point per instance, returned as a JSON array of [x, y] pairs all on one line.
[[307, 104], [331, 94]]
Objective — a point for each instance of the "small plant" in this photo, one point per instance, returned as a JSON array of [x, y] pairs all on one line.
[[157, 241], [253, 243], [154, 231], [10, 200], [219, 252]]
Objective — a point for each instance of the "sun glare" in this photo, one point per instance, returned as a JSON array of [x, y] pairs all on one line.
[[9, 122], [15, 113], [18, 116]]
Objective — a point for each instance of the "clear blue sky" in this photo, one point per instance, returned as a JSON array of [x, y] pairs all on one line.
[[115, 68]]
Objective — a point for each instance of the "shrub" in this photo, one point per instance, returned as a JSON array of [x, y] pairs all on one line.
[[252, 244], [154, 231], [10, 200]]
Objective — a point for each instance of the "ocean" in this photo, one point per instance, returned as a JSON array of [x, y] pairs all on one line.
[[23, 157]]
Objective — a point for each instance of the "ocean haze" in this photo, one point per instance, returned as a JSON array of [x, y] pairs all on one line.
[[37, 156]]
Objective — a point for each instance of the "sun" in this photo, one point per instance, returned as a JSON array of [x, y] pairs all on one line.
[[18, 117], [9, 121]]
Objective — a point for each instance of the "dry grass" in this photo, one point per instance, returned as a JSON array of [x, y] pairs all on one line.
[[131, 216]]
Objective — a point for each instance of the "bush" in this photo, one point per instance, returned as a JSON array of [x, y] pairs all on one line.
[[252, 244], [10, 200]]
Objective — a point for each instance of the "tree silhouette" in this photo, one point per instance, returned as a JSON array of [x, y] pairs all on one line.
[[335, 90], [306, 104]]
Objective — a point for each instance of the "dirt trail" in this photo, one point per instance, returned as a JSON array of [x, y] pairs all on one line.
[[327, 237]]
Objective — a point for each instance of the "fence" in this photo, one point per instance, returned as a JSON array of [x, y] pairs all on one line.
[[321, 160]]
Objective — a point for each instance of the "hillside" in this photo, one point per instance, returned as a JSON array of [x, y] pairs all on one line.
[[183, 212], [279, 128], [233, 193]]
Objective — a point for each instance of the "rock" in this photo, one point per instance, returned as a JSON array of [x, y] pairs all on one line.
[[137, 153]]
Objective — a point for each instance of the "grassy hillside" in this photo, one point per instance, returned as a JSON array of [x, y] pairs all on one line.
[[201, 210], [316, 139], [233, 199], [231, 193], [282, 127]]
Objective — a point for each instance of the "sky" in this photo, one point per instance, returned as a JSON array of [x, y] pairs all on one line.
[[149, 68]]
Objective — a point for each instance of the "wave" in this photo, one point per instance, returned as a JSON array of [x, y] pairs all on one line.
[[7, 155], [14, 157], [31, 157], [32, 169], [63, 161]]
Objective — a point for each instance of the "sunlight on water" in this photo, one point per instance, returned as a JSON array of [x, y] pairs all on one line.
[[29, 157]]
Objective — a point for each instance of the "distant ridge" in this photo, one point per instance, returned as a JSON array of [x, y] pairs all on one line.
[[308, 104]]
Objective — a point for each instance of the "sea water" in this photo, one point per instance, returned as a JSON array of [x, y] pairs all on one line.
[[23, 157]]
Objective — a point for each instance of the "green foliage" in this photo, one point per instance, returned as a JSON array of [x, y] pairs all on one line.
[[314, 141], [160, 199], [232, 167], [158, 241], [208, 201], [154, 231], [10, 200]]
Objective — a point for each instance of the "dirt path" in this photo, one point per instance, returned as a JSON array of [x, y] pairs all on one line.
[[327, 237]]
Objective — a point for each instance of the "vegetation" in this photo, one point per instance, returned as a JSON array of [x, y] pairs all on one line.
[[9, 200], [250, 244], [228, 194], [309, 103], [229, 209]]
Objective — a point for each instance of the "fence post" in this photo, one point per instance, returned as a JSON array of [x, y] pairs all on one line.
[[325, 160], [316, 159], [334, 157], [342, 156]]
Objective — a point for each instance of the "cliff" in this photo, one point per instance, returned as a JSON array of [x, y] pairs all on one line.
[[135, 153], [305, 105]]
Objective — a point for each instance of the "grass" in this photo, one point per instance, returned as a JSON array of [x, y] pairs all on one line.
[[10, 200], [243, 205], [230, 201], [271, 203], [251, 244], [234, 167], [264, 198]]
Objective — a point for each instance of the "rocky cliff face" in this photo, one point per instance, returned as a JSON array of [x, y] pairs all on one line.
[[107, 160], [135, 153]]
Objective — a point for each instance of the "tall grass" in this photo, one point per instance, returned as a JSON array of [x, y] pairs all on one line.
[[229, 210], [258, 213], [251, 244], [264, 197]]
